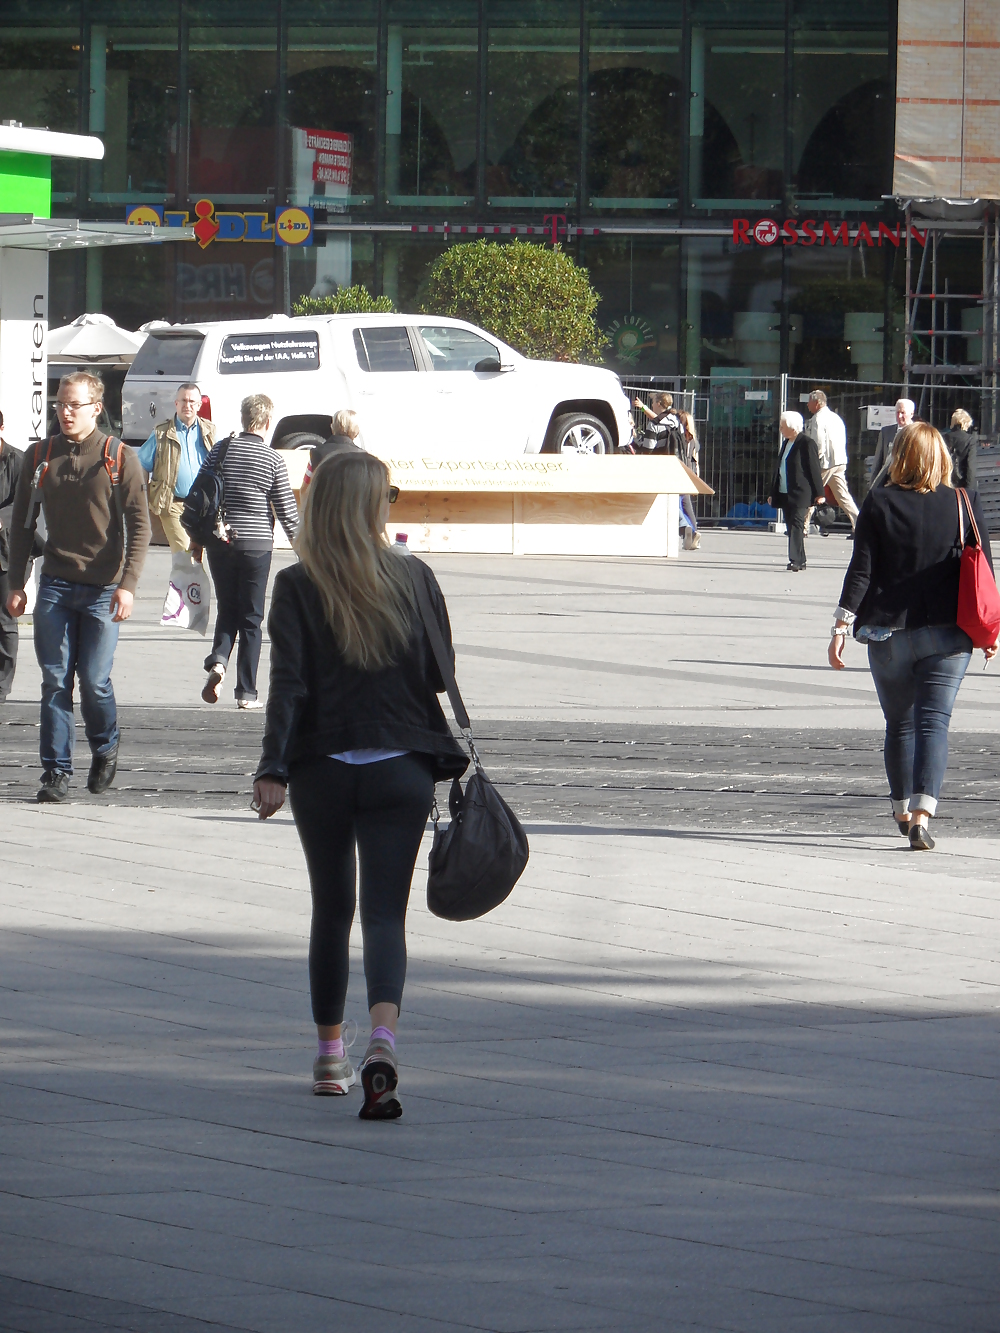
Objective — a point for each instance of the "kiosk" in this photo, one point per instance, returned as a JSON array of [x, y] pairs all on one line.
[[27, 235], [535, 504]]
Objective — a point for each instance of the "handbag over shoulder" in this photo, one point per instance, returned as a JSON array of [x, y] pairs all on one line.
[[475, 862], [978, 599]]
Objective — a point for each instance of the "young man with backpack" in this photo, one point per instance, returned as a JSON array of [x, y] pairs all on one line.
[[91, 491]]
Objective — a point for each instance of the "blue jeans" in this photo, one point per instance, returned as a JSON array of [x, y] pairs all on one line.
[[917, 673], [75, 636]]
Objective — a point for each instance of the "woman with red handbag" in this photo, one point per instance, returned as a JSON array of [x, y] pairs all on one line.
[[920, 592]]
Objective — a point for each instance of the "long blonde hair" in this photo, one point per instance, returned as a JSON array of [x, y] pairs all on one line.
[[691, 446], [920, 459], [362, 582]]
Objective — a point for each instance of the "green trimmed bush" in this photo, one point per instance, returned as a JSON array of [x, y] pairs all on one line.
[[356, 300], [531, 296]]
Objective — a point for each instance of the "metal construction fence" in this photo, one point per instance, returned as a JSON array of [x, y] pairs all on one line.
[[737, 420]]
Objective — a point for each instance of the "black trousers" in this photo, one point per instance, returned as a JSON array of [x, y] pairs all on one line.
[[240, 579], [8, 640], [382, 810], [795, 518]]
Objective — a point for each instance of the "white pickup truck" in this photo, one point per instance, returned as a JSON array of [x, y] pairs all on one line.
[[416, 382]]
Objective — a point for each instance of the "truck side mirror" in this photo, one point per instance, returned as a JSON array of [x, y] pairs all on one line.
[[489, 364]]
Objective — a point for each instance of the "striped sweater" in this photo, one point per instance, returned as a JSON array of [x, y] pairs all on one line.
[[256, 488]]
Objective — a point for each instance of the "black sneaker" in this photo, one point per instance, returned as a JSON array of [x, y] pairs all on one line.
[[53, 787], [102, 771]]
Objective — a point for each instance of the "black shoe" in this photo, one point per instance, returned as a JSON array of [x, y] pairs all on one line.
[[796, 569], [54, 786], [920, 839], [904, 827], [102, 771]]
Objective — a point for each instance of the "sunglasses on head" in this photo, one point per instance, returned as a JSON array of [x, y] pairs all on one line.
[[393, 494]]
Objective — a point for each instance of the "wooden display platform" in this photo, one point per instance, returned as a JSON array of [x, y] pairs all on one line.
[[535, 504]]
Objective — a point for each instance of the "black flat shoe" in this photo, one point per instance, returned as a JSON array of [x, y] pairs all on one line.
[[904, 827], [920, 839], [102, 771]]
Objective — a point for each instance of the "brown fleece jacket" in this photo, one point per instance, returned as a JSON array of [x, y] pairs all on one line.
[[83, 543]]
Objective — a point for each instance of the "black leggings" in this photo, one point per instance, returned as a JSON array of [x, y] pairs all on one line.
[[382, 808]]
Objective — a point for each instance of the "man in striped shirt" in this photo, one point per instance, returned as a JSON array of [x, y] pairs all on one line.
[[255, 489]]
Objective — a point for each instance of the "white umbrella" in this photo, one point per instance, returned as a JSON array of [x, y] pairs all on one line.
[[93, 340]]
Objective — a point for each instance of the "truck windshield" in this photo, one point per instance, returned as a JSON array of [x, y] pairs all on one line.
[[173, 355]]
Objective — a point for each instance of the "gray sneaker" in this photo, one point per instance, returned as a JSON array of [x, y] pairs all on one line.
[[379, 1076], [332, 1077]]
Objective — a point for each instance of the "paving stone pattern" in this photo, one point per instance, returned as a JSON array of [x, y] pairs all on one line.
[[609, 774], [683, 1080]]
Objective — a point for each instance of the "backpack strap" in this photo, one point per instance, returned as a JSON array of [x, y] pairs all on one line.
[[39, 470], [114, 471]]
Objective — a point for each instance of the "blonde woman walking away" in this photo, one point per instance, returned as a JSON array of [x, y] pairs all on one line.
[[355, 730], [901, 596]]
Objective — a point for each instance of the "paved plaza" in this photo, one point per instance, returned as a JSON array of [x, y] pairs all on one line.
[[726, 1059]]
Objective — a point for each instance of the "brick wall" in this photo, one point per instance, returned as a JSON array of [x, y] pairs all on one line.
[[948, 99]]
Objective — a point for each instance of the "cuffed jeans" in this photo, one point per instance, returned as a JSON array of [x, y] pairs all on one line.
[[75, 636], [240, 579], [917, 673]]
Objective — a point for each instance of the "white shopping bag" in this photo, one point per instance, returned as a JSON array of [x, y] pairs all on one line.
[[188, 602]]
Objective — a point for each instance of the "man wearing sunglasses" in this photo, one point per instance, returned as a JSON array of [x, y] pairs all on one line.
[[91, 490]]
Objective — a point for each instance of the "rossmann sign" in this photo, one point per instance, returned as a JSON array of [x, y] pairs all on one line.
[[809, 231]]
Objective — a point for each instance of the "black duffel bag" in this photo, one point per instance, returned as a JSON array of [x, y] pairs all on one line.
[[475, 862], [203, 514]]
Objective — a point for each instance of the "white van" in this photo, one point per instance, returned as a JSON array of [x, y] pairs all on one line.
[[416, 381]]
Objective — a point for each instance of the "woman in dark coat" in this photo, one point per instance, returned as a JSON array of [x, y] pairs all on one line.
[[797, 484], [901, 596], [356, 733], [963, 445]]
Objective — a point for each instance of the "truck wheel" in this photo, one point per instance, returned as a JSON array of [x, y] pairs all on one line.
[[300, 439], [580, 433]]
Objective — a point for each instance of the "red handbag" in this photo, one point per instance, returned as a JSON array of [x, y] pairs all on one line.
[[978, 598]]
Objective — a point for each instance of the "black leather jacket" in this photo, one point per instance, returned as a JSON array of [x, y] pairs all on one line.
[[318, 705]]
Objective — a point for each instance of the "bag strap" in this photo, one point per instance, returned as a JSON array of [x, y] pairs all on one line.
[[114, 471], [38, 471], [962, 494], [441, 655]]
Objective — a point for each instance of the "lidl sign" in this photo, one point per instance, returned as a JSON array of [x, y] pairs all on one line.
[[291, 225]]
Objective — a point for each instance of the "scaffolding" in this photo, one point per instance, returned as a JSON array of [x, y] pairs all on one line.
[[944, 329]]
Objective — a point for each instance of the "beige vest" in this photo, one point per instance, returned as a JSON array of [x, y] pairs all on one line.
[[163, 478]]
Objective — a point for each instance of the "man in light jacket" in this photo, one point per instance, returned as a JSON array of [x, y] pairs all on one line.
[[173, 456], [830, 434]]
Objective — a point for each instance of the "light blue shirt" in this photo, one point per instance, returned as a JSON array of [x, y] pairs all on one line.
[[782, 467], [193, 454]]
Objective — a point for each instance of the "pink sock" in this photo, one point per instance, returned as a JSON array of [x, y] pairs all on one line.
[[334, 1048], [385, 1035]]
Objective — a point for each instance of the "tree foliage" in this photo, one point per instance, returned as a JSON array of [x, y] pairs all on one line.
[[532, 297], [356, 300]]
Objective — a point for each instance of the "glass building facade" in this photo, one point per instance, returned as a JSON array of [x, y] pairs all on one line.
[[642, 126]]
